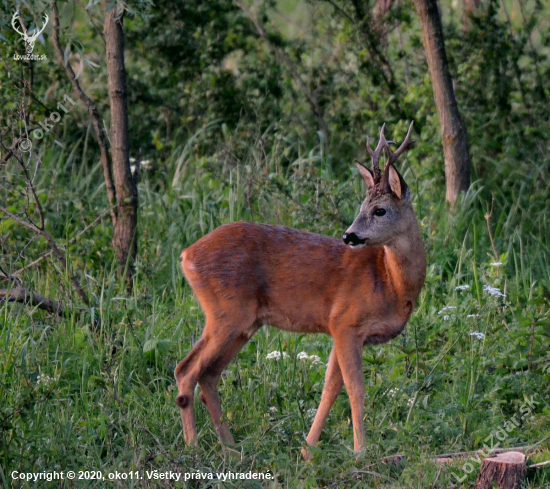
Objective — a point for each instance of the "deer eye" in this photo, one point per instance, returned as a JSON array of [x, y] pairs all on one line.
[[379, 212]]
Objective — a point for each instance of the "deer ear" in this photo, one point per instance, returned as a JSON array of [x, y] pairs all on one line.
[[397, 184], [366, 174]]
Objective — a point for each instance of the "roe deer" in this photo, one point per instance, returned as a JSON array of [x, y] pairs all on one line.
[[359, 291]]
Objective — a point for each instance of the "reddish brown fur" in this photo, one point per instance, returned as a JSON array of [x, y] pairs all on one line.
[[246, 275]]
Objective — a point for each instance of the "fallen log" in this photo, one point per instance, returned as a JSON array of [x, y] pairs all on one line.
[[444, 457], [25, 296]]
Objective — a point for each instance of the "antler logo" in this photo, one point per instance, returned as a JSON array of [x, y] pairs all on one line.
[[29, 39]]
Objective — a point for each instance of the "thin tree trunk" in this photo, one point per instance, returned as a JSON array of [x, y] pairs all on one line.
[[453, 130], [93, 113], [124, 235]]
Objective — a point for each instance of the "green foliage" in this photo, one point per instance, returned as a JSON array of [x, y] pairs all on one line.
[[433, 390], [230, 136]]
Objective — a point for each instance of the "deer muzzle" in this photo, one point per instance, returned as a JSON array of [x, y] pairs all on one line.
[[353, 240]]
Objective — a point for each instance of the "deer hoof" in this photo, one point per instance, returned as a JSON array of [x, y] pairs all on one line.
[[307, 454]]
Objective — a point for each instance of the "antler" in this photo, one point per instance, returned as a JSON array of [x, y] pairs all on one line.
[[375, 155], [392, 157], [16, 16]]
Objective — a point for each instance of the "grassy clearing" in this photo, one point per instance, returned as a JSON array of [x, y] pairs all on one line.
[[74, 398]]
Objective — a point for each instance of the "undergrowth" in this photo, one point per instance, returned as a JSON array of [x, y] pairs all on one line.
[[74, 396]]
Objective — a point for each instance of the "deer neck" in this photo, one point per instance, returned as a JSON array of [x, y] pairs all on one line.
[[405, 262]]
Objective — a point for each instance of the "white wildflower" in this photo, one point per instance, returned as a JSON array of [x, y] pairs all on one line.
[[273, 410], [276, 355], [145, 164], [479, 336], [311, 358], [462, 287], [311, 413], [496, 264], [45, 380], [446, 308], [493, 291], [392, 392], [446, 318], [472, 316], [410, 402]]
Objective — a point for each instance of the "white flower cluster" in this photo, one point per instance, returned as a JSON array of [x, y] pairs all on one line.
[[496, 264], [493, 291], [462, 287], [305, 357], [276, 355], [310, 413], [479, 336], [45, 380], [446, 308], [143, 165], [472, 316], [392, 392]]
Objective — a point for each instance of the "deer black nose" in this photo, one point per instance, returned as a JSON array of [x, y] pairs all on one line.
[[352, 238]]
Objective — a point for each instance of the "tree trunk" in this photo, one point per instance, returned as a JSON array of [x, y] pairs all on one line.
[[453, 130], [124, 234], [505, 471]]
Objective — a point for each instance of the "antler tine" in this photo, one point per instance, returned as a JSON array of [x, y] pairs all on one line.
[[375, 155], [392, 157], [15, 16]]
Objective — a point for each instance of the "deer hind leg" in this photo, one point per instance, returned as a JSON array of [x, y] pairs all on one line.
[[333, 386], [188, 372], [219, 334], [209, 381]]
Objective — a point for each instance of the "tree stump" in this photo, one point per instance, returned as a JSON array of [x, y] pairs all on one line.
[[506, 470]]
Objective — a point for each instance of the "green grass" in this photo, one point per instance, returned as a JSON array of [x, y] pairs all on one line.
[[77, 398]]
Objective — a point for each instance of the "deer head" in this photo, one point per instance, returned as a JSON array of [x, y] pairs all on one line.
[[29, 39], [386, 212]]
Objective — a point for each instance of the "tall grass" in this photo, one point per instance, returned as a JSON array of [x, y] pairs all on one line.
[[74, 397]]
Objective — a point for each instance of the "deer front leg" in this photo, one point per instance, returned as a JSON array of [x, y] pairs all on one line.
[[348, 348], [331, 389]]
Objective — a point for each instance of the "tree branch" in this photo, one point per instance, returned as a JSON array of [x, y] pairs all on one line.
[[40, 229], [54, 248], [72, 240]]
